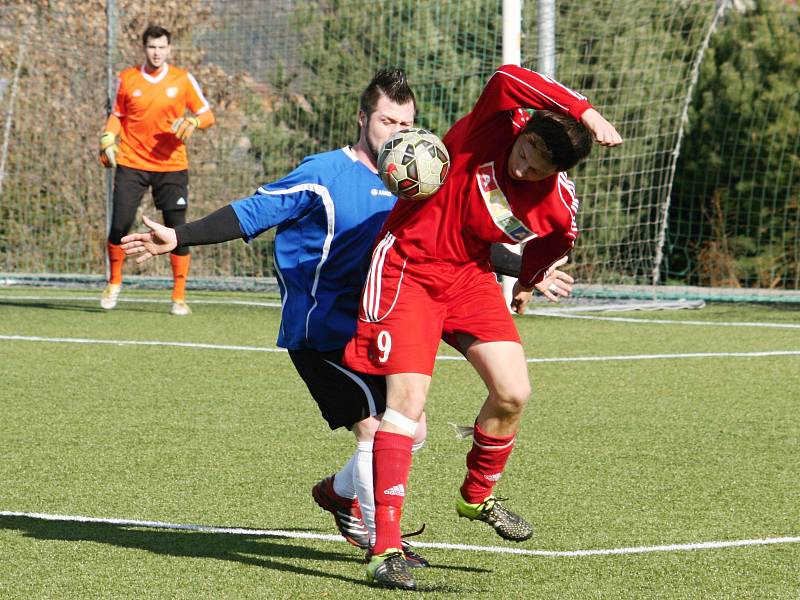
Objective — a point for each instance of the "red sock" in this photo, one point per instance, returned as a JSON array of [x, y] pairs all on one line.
[[485, 464], [180, 271], [116, 256], [391, 463]]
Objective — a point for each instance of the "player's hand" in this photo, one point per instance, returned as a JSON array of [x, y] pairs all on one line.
[[159, 240], [520, 296], [604, 132], [108, 150], [556, 284], [184, 127]]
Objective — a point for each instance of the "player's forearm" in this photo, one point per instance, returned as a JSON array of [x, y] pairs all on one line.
[[113, 124], [205, 119], [220, 226]]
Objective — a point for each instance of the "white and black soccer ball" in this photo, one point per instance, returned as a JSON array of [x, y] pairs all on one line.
[[413, 164]]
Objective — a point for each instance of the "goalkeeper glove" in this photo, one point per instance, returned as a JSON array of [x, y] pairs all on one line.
[[184, 127], [108, 150]]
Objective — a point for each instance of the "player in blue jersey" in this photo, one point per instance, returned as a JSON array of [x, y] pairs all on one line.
[[327, 212]]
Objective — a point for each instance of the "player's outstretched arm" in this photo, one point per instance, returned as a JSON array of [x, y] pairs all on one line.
[[159, 240], [604, 132]]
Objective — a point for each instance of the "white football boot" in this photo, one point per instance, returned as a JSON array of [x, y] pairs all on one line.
[[180, 308], [108, 299]]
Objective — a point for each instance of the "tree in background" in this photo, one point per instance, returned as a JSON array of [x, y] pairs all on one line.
[[734, 218]]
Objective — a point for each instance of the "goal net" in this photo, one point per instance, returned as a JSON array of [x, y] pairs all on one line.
[[283, 78]]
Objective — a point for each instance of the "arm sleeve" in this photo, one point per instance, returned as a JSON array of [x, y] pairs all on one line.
[[113, 124], [197, 103], [512, 87], [220, 226], [504, 261], [540, 253], [119, 108]]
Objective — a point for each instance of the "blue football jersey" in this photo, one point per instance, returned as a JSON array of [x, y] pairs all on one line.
[[328, 212]]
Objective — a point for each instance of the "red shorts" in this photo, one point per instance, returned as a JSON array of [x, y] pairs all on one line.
[[406, 308]]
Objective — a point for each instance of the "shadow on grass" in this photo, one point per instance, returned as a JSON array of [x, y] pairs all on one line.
[[256, 550], [65, 306], [89, 306]]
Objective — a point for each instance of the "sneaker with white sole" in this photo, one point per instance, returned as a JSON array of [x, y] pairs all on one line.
[[108, 299], [180, 308], [346, 512]]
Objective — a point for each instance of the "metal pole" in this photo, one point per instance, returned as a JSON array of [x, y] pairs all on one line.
[[546, 37], [512, 31], [111, 24], [512, 55]]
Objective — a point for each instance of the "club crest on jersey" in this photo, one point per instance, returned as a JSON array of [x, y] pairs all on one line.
[[498, 207], [136, 93], [172, 91]]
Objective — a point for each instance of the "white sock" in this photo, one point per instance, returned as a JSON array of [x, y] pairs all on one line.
[[362, 481], [343, 482]]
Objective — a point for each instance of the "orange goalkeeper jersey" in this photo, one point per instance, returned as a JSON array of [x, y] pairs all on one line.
[[147, 105]]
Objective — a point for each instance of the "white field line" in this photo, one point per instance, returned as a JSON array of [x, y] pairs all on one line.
[[139, 300], [563, 315], [465, 547], [34, 338], [566, 359], [553, 313]]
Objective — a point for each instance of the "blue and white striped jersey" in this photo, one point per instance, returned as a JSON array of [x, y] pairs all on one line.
[[328, 212]]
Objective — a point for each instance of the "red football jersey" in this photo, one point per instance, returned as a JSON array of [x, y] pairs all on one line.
[[479, 202]]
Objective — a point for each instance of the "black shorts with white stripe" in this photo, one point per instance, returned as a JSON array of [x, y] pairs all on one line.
[[344, 396]]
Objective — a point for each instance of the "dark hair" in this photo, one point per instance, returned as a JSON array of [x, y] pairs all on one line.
[[393, 84], [567, 140], [154, 32]]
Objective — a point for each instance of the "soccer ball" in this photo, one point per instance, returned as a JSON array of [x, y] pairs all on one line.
[[413, 164]]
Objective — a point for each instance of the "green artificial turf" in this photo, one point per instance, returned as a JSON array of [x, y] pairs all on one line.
[[611, 454]]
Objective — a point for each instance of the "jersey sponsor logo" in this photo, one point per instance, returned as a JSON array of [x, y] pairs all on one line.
[[172, 91], [498, 207], [181, 201], [377, 192], [136, 93], [396, 490]]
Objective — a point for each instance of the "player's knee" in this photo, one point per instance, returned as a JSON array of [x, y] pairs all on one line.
[[365, 429], [513, 399]]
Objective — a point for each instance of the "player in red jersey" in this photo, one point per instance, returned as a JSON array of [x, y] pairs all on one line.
[[430, 278]]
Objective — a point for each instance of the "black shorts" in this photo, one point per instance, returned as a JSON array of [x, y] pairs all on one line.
[[170, 189], [344, 396]]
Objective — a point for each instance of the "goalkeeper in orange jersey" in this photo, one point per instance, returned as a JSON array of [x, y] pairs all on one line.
[[157, 108]]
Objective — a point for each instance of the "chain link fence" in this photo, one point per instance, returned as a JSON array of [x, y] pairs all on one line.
[[283, 78]]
